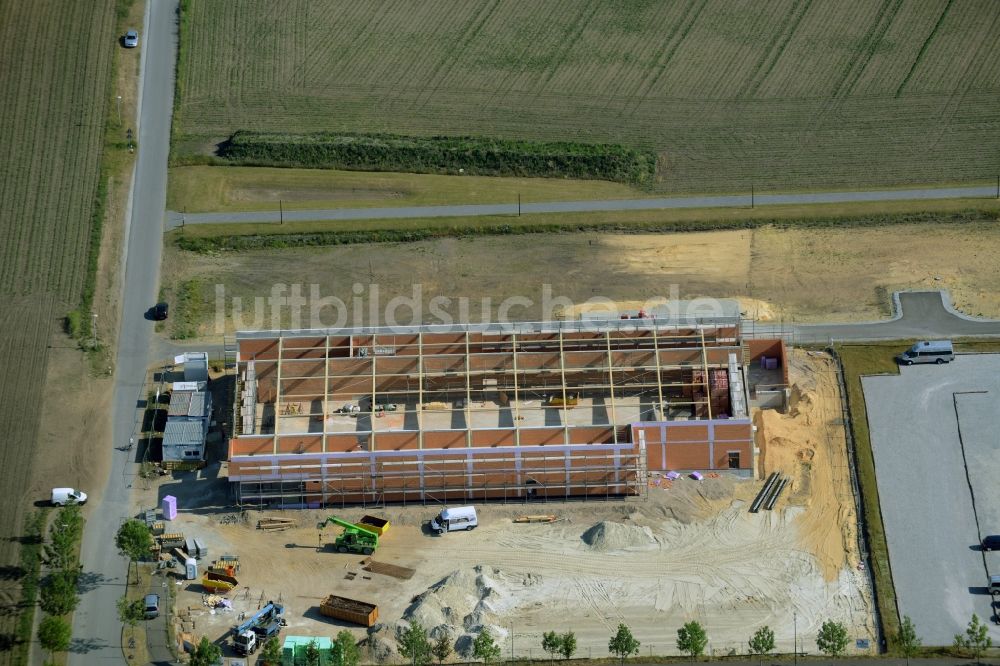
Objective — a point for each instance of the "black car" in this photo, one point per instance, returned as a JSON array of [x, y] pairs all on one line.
[[159, 311], [991, 542]]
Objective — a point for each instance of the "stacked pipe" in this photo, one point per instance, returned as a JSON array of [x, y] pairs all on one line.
[[764, 492], [769, 502]]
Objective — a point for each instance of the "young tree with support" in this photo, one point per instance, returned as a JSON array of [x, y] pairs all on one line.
[[442, 647], [134, 541], [485, 648], [832, 638], [691, 638], [623, 644], [54, 634], [344, 643], [907, 640], [551, 643], [976, 638], [762, 642], [270, 654], [567, 645], [414, 645], [206, 653]]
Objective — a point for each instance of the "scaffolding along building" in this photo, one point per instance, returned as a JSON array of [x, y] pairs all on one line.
[[505, 412]]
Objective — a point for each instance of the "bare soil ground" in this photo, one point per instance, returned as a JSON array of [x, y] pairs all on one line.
[[687, 550], [791, 274]]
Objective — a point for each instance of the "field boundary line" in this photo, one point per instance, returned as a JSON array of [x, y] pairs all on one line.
[[923, 48]]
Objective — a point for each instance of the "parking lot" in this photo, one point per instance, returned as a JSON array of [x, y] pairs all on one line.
[[929, 425]]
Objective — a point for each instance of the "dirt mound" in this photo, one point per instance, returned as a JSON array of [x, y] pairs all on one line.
[[608, 535], [464, 602]]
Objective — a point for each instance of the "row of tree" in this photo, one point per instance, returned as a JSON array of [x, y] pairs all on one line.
[[59, 591], [692, 639]]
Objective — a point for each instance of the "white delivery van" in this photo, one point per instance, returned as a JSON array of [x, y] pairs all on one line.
[[63, 496], [452, 520], [932, 351]]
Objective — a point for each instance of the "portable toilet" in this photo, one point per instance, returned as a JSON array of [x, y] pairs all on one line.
[[191, 568]]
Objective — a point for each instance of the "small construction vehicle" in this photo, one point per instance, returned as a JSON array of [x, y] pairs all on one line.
[[264, 624], [354, 538]]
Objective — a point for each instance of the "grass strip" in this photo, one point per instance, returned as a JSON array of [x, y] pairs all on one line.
[[858, 361], [188, 309], [78, 321], [30, 565], [431, 229], [443, 154]]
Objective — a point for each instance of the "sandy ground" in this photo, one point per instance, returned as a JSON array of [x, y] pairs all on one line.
[[807, 445], [802, 275], [688, 551]]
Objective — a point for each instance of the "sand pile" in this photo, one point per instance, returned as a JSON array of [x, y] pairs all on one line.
[[808, 444], [607, 535], [458, 607]]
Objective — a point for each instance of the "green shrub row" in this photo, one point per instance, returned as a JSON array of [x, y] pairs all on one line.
[[242, 243], [30, 566], [443, 154]]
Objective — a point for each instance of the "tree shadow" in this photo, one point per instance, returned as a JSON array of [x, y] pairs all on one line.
[[8, 642], [8, 572], [90, 580], [26, 539], [85, 645]]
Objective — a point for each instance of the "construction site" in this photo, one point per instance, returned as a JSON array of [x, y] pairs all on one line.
[[493, 412], [349, 444]]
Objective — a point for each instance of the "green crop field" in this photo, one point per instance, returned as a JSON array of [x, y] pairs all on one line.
[[56, 59], [782, 94]]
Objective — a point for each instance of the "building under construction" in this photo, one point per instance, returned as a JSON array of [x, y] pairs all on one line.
[[502, 411]]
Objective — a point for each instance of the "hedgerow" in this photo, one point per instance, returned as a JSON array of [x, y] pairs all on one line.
[[443, 154]]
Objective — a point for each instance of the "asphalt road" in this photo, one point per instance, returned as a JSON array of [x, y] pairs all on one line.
[[175, 219], [96, 629], [932, 427], [917, 315]]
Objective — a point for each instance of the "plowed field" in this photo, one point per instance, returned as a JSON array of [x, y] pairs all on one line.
[[55, 59]]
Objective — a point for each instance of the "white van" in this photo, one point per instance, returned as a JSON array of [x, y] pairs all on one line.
[[452, 520], [62, 496], [932, 351], [994, 587]]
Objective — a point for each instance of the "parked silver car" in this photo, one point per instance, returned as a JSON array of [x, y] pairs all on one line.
[[131, 39]]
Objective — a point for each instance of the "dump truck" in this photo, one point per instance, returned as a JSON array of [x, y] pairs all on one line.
[[354, 538], [265, 623], [349, 610]]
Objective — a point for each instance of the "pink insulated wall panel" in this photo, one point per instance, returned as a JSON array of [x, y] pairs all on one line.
[[169, 507]]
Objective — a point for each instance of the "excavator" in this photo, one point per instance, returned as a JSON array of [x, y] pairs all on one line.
[[354, 538]]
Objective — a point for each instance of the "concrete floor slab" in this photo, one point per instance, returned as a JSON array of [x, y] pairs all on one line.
[[926, 425]]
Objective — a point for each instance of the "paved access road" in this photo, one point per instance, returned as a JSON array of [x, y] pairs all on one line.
[[732, 201], [96, 629], [919, 315], [932, 429]]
